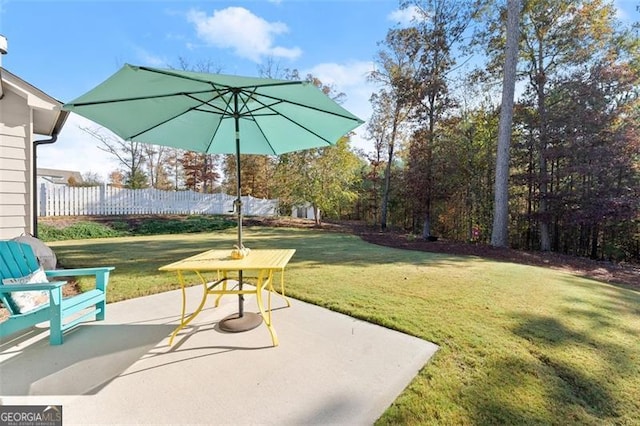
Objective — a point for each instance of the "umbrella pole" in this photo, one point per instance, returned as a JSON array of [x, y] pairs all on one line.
[[239, 213], [240, 321]]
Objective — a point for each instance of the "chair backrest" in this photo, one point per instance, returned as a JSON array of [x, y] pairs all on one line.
[[16, 260]]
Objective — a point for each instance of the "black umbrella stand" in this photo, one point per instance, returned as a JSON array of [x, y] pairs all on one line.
[[240, 321]]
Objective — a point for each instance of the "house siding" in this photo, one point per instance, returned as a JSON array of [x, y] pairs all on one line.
[[16, 212]]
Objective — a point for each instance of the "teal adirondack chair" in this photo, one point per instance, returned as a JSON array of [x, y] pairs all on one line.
[[17, 260]]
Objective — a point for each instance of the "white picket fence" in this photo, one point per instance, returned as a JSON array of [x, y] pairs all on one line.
[[55, 200]]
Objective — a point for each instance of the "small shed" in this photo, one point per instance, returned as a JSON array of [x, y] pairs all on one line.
[[303, 211], [28, 118]]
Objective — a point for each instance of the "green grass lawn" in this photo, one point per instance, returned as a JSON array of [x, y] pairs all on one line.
[[519, 344]]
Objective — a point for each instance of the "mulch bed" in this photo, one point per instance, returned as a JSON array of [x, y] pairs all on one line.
[[627, 274]]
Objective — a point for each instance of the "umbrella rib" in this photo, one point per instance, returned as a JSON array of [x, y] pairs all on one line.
[[269, 107], [299, 104], [189, 95], [250, 113], [302, 127], [213, 134], [292, 121], [138, 98], [216, 108]]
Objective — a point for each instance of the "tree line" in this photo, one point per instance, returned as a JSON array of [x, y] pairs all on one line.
[[573, 153]]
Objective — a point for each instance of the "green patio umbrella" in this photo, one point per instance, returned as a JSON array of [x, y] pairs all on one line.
[[215, 114]]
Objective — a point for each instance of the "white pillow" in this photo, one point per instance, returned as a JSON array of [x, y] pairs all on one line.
[[29, 300]]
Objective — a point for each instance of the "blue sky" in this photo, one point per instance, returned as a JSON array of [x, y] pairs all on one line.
[[67, 47]]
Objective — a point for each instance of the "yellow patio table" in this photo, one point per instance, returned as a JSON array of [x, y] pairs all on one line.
[[265, 262]]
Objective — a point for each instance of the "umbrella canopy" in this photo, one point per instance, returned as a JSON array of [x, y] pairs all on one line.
[[203, 112], [215, 114]]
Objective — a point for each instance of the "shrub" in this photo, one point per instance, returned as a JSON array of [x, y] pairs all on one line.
[[190, 224], [144, 226], [77, 231]]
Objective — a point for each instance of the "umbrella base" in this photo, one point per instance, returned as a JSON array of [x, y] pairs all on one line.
[[235, 323]]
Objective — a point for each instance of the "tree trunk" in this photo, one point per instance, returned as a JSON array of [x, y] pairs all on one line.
[[545, 240], [387, 188], [594, 242], [387, 170], [500, 230], [530, 195], [317, 219], [426, 222], [426, 226], [543, 210]]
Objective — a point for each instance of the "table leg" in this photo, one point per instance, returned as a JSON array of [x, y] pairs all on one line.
[[183, 322], [281, 292], [224, 286], [282, 288], [263, 284]]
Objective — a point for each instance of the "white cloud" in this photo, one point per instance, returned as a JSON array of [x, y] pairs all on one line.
[[237, 28], [149, 58], [343, 75], [76, 150], [405, 17], [351, 79]]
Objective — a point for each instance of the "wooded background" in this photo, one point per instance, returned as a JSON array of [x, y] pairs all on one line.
[[574, 169]]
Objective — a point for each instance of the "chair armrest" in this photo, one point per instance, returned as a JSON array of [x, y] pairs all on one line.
[[4, 288], [101, 273], [78, 272]]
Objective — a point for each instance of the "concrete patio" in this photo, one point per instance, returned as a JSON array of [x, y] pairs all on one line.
[[328, 369]]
